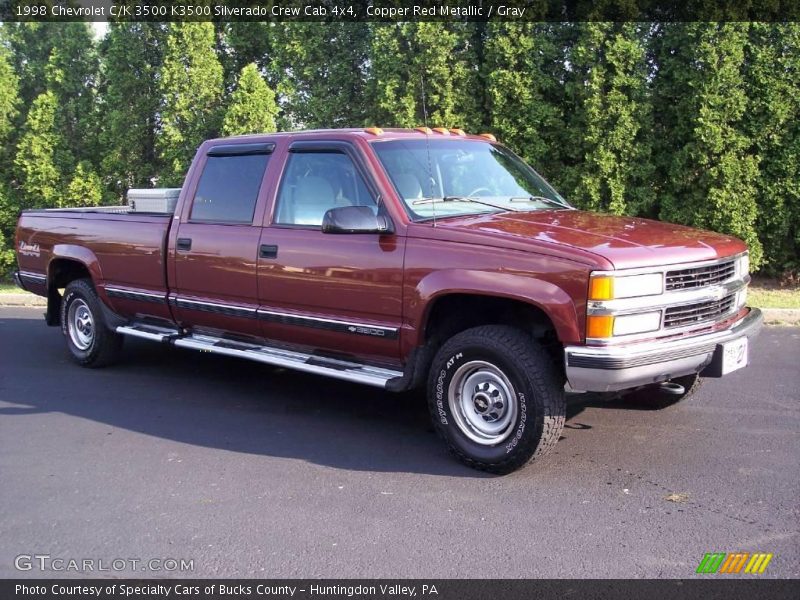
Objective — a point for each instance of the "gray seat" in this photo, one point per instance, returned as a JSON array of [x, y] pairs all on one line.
[[408, 185], [313, 197]]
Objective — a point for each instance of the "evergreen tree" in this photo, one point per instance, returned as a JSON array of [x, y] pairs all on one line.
[[85, 188], [773, 123], [191, 87], [443, 57], [71, 75], [611, 124], [320, 69], [9, 97], [40, 156], [708, 170], [252, 108], [245, 42], [525, 76], [133, 53]]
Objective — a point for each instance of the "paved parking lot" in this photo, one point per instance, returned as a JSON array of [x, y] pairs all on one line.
[[252, 471]]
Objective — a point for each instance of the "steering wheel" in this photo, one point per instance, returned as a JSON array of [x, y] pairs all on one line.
[[476, 190]]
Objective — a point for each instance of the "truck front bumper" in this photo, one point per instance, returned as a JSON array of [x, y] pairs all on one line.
[[613, 368]]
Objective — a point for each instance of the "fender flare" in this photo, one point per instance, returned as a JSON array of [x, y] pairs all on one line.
[[553, 301], [79, 254]]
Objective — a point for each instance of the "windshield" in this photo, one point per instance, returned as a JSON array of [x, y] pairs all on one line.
[[445, 178]]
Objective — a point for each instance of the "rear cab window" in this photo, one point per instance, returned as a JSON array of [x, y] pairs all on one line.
[[229, 185]]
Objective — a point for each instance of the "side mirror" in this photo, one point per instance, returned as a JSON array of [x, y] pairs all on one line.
[[355, 219]]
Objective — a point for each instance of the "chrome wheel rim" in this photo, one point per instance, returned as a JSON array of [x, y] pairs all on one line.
[[483, 402], [80, 324]]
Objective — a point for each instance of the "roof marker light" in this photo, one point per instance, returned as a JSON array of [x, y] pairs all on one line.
[[489, 136], [442, 130], [425, 130], [456, 131], [374, 130]]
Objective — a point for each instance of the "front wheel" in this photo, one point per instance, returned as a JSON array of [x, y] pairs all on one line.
[[496, 398], [90, 342]]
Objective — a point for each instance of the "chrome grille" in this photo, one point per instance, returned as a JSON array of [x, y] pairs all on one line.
[[699, 312], [683, 279]]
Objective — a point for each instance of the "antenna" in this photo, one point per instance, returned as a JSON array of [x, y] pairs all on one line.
[[428, 149]]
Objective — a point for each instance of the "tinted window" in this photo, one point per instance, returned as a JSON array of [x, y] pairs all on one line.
[[454, 177], [315, 182], [228, 188]]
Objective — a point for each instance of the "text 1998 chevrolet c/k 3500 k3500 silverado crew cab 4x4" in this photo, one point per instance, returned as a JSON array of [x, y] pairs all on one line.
[[402, 259]]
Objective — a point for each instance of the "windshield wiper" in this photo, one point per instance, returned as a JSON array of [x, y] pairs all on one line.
[[459, 199], [544, 199]]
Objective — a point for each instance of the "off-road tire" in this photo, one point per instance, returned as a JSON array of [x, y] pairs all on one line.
[[538, 390], [654, 398], [105, 344]]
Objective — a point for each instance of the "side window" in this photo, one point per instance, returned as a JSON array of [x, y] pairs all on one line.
[[228, 188], [315, 182]]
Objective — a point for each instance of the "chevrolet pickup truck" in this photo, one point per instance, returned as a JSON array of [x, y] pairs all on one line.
[[402, 259]]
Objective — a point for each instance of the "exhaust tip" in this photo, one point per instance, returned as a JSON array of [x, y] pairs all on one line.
[[670, 387]]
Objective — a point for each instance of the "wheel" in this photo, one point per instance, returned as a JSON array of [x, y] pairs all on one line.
[[496, 398], [89, 340], [654, 397]]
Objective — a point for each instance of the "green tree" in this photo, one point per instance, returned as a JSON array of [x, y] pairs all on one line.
[[71, 75], [708, 169], [320, 70], [252, 108], [9, 97], [191, 86], [611, 123], [245, 42], [525, 76], [442, 56], [132, 54], [773, 124], [40, 155], [85, 188]]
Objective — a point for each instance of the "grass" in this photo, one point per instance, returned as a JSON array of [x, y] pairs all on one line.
[[763, 293], [766, 293]]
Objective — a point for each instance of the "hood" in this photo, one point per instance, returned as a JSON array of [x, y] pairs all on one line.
[[626, 242]]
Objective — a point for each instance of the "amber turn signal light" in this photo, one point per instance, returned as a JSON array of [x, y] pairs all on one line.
[[601, 288], [599, 326]]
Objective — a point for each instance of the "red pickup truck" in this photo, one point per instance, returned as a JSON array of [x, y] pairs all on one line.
[[402, 259]]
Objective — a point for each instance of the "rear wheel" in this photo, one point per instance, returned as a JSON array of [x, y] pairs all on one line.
[[496, 398], [91, 343]]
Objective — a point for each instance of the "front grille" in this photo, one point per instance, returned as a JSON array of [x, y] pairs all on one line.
[[684, 279], [699, 312]]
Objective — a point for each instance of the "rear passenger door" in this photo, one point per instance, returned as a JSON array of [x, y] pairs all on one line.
[[336, 292], [216, 245]]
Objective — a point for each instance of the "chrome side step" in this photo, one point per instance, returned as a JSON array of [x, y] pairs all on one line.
[[278, 357], [148, 332]]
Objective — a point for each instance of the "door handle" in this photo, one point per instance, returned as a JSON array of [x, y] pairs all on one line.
[[184, 244], [268, 251]]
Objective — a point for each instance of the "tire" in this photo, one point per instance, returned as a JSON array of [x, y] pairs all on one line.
[[654, 398], [89, 340], [516, 409]]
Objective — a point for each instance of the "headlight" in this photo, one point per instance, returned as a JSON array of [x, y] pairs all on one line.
[[611, 287], [743, 265], [606, 326]]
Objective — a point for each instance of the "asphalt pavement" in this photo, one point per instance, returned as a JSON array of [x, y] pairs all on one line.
[[248, 471]]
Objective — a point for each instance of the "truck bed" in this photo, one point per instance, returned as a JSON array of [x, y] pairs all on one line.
[[127, 248]]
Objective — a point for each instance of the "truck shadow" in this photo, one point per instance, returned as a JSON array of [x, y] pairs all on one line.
[[226, 403]]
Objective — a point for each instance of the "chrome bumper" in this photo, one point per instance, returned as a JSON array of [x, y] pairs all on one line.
[[612, 368]]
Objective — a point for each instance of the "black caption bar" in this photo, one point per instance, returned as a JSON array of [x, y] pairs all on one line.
[[371, 589], [399, 11]]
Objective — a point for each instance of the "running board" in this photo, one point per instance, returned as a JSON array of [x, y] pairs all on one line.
[[277, 357], [148, 332]]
